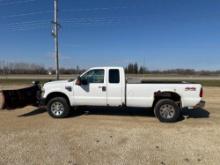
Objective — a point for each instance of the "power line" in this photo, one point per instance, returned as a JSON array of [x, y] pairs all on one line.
[[28, 22], [28, 25], [26, 14], [65, 10], [72, 21], [99, 20], [5, 0], [93, 9], [17, 2], [43, 26], [90, 19]]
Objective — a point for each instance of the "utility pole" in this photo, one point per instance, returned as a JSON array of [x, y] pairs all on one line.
[[56, 27]]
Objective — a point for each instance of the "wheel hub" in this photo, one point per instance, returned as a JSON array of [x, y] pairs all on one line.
[[57, 108], [167, 111]]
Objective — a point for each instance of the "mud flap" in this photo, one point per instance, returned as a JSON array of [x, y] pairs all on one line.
[[12, 99]]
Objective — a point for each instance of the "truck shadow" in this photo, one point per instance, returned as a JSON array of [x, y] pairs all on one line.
[[186, 113], [34, 112], [98, 111], [195, 113], [112, 111]]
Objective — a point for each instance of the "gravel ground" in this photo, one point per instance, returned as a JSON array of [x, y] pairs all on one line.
[[111, 136]]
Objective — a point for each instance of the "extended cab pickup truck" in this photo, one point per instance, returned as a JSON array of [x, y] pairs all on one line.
[[107, 86]]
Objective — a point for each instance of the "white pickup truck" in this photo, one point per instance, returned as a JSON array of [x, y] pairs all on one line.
[[107, 86]]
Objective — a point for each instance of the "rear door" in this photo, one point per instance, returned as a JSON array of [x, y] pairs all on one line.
[[114, 88], [94, 93]]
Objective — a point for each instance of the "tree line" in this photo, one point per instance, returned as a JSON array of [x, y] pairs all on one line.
[[131, 68], [27, 68], [134, 68]]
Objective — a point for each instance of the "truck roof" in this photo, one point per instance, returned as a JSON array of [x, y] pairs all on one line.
[[107, 67]]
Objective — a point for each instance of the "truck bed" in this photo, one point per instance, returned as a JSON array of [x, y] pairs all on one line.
[[139, 81], [163, 82], [142, 94]]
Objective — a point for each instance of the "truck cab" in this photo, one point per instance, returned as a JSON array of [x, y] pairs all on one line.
[[101, 86]]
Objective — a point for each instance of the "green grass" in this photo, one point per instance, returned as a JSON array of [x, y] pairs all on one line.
[[209, 83]]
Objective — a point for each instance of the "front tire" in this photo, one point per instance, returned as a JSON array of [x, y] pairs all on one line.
[[58, 107], [167, 110]]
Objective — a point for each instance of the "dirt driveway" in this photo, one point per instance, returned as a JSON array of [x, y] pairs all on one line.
[[111, 136]]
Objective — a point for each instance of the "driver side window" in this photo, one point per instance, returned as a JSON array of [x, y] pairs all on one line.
[[94, 76]]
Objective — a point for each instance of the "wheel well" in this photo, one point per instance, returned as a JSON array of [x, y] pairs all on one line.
[[167, 95], [57, 94]]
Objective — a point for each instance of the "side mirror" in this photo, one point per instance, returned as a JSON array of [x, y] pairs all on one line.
[[78, 81], [84, 82]]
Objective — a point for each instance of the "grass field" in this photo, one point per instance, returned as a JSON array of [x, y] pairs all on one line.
[[210, 83], [20, 81]]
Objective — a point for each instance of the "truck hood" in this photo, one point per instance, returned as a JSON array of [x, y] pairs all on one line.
[[60, 83]]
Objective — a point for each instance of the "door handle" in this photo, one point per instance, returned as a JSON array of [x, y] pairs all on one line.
[[103, 88]]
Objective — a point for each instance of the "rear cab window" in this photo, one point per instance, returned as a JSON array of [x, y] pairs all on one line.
[[114, 76]]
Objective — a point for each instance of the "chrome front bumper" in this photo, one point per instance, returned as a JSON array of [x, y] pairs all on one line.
[[201, 104]]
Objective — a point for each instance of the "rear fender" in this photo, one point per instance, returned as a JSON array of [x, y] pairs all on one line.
[[167, 95]]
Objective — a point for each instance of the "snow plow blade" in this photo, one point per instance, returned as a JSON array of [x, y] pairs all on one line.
[[12, 99]]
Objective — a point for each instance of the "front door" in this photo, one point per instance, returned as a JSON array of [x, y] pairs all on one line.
[[94, 91]]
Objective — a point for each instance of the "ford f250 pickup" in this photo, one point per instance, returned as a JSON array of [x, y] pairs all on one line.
[[107, 86]]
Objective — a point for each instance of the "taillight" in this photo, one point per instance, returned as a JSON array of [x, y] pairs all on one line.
[[201, 92]]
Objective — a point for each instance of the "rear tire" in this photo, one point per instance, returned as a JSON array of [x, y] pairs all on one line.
[[58, 107], [167, 110]]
